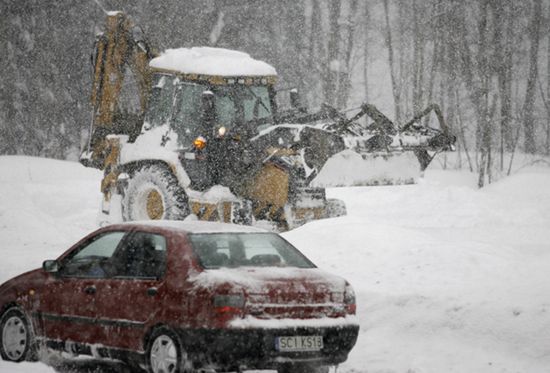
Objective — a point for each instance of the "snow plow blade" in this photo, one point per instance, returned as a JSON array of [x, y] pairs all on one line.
[[349, 168]]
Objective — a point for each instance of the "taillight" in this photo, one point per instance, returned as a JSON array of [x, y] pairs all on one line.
[[349, 300], [227, 306]]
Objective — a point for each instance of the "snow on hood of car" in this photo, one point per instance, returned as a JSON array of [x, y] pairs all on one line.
[[212, 61], [324, 322], [257, 279]]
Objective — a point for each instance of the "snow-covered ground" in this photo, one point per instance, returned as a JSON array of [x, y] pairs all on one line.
[[449, 278]]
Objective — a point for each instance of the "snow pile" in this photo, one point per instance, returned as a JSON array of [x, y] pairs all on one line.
[[45, 206], [212, 61], [448, 278]]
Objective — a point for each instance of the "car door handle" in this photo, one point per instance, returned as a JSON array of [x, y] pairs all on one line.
[[90, 290], [152, 292]]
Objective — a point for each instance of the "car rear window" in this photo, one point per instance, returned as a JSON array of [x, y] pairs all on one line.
[[216, 250]]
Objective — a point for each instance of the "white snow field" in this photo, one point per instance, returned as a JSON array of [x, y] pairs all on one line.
[[448, 278]]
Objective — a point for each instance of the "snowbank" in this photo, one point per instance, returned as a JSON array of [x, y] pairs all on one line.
[[45, 206], [448, 278]]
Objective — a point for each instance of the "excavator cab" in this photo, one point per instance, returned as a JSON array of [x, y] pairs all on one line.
[[199, 108]]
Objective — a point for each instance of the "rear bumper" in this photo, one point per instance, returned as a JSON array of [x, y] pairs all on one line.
[[254, 348]]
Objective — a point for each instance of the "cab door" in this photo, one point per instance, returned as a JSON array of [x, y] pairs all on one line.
[[68, 301], [132, 296]]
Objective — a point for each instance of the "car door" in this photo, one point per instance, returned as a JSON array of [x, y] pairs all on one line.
[[131, 297], [68, 300]]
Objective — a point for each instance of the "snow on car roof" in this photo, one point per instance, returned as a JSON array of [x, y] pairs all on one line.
[[198, 226], [211, 61]]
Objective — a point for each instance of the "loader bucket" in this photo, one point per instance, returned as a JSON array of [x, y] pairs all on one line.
[[349, 168]]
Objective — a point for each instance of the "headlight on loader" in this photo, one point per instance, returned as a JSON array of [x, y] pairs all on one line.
[[199, 143]]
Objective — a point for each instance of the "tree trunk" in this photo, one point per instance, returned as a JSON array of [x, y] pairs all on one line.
[[344, 73], [395, 89], [503, 66], [332, 68], [548, 88], [418, 60], [484, 131], [528, 106], [462, 132], [366, 53]]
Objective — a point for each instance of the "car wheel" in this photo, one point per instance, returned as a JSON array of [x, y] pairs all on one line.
[[154, 193], [164, 354], [16, 337]]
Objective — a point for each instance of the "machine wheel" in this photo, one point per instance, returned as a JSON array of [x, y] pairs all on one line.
[[16, 337], [165, 355], [153, 193]]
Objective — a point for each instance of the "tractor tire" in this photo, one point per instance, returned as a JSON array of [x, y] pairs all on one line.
[[153, 193]]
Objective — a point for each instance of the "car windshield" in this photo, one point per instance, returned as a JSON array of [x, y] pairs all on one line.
[[216, 250]]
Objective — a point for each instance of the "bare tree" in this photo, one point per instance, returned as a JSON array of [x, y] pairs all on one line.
[[346, 47], [331, 67], [546, 102], [504, 23], [395, 88], [418, 58], [366, 52], [528, 106]]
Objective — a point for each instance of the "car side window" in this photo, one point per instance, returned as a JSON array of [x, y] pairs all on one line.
[[94, 258], [142, 255]]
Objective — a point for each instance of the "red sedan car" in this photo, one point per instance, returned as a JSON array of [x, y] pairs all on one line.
[[180, 296]]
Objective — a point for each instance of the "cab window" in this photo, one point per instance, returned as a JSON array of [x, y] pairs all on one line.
[[161, 100], [257, 104], [238, 104], [187, 117]]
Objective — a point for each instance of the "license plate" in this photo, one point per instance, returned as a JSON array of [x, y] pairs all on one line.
[[299, 343]]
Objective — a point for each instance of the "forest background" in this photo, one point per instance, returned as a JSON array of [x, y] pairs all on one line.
[[485, 62]]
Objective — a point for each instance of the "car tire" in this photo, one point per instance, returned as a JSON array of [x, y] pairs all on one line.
[[165, 355], [153, 193], [17, 342]]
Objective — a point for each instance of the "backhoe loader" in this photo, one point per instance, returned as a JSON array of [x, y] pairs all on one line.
[[205, 137]]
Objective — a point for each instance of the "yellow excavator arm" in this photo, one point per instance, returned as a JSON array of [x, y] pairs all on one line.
[[122, 46]]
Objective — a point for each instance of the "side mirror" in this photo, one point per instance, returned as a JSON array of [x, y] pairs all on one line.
[[51, 266], [295, 98], [207, 102]]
